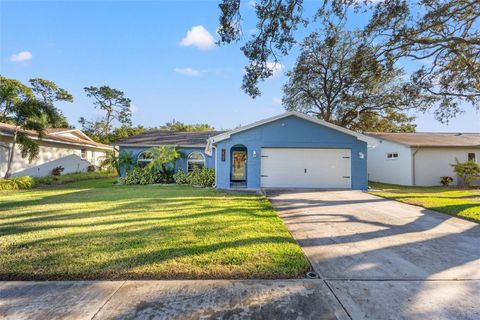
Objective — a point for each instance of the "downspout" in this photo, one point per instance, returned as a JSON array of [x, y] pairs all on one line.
[[413, 165], [216, 166]]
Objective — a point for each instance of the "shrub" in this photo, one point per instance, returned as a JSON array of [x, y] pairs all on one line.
[[468, 171], [181, 177], [142, 176], [91, 168], [16, 183], [446, 180], [201, 177], [57, 171]]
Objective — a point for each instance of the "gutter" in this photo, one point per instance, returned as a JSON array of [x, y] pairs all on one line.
[[157, 145], [413, 165]]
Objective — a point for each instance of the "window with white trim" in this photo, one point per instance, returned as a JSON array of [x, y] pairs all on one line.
[[144, 158], [195, 160], [472, 156], [391, 155], [83, 153]]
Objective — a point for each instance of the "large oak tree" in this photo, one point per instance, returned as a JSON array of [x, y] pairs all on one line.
[[338, 78], [441, 34]]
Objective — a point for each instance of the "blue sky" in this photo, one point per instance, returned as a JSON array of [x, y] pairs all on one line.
[[142, 48]]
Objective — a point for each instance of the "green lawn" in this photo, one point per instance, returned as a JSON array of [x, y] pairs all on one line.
[[456, 202], [95, 230]]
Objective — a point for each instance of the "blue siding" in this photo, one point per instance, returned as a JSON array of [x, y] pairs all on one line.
[[289, 132], [181, 163]]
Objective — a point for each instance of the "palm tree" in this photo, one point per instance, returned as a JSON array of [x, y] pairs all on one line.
[[115, 161], [164, 161]]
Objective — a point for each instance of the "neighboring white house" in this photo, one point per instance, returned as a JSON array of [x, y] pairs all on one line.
[[420, 158], [66, 147]]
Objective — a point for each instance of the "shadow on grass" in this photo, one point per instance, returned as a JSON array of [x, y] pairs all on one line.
[[105, 233]]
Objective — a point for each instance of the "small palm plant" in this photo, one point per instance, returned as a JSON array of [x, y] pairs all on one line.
[[164, 161], [126, 160], [110, 162], [114, 161]]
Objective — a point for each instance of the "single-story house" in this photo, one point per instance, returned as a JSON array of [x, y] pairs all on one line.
[[291, 150], [66, 147], [420, 158]]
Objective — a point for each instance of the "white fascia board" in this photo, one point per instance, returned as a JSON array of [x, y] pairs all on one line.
[[226, 135], [72, 130], [392, 141], [155, 145], [67, 143]]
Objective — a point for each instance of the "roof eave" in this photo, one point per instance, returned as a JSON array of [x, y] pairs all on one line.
[[105, 147], [442, 146], [157, 145]]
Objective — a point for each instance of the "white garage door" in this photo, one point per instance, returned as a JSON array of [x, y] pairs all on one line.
[[305, 168]]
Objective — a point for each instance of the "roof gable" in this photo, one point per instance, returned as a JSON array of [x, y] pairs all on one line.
[[55, 135], [68, 133], [359, 136]]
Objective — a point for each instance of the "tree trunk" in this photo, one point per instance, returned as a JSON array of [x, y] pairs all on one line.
[[10, 156]]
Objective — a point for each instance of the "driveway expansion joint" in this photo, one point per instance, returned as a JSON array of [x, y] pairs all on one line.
[[107, 300]]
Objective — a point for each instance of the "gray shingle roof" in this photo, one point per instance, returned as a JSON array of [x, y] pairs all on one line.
[[170, 138], [8, 130], [431, 139]]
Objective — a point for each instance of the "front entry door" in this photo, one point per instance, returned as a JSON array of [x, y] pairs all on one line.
[[239, 159]]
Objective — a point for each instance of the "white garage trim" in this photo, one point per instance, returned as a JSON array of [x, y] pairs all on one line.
[[305, 168]]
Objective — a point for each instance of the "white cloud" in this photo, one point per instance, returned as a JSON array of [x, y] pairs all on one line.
[[133, 108], [21, 56], [188, 72], [199, 37], [277, 68], [276, 101]]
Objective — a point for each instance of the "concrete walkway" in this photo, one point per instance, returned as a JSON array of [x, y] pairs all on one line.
[[387, 260], [222, 299]]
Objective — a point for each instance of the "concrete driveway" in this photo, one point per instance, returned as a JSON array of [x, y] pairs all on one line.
[[386, 260]]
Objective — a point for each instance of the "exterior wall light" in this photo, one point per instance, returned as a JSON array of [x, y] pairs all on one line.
[[254, 154], [361, 155]]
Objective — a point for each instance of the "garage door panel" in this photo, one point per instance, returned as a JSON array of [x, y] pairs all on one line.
[[305, 168]]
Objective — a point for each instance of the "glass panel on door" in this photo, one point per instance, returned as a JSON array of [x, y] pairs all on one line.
[[239, 159]]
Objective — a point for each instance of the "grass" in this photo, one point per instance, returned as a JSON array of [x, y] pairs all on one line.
[[456, 202], [95, 230]]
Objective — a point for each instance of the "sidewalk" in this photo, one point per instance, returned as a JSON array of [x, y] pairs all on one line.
[[207, 299]]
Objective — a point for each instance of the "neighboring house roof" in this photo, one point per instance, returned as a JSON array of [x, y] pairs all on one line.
[[77, 137], [431, 139], [169, 138], [63, 131], [362, 137]]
